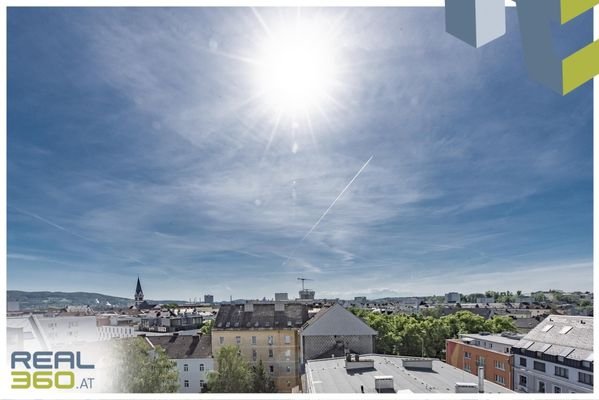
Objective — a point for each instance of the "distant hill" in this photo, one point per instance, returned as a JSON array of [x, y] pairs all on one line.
[[43, 300]]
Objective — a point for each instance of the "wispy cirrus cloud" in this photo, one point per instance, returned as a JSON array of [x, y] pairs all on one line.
[[158, 159]]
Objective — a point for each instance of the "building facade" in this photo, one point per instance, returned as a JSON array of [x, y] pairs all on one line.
[[556, 356], [452, 297], [265, 331], [193, 356], [108, 332], [493, 352]]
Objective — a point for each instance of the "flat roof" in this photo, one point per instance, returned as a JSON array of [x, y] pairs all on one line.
[[493, 338], [330, 376]]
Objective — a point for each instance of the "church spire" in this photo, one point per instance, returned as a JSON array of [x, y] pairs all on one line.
[[139, 294]]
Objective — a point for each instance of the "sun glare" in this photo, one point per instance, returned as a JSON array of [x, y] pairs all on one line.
[[296, 69]]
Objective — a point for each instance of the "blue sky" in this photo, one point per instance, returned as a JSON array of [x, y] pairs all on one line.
[[137, 146]]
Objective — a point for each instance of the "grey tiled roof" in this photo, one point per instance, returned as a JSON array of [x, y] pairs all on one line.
[[261, 316], [336, 320], [568, 336], [184, 346]]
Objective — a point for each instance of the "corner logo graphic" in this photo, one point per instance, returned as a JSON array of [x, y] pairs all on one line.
[[49, 370], [478, 22]]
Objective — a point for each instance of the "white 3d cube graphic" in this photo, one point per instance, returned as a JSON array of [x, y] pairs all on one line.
[[476, 22]]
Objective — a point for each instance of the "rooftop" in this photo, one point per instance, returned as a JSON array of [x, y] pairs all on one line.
[[184, 346], [269, 315], [336, 320], [561, 335], [492, 338], [331, 376]]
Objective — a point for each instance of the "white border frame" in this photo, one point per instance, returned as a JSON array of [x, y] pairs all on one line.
[[258, 3]]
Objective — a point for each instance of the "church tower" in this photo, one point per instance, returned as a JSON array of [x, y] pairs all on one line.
[[139, 294]]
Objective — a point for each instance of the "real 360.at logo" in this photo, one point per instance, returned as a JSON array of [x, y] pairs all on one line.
[[48, 370]]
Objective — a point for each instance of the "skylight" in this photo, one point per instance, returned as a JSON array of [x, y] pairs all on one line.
[[565, 330]]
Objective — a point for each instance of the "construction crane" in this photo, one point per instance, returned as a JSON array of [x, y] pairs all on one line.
[[303, 280]]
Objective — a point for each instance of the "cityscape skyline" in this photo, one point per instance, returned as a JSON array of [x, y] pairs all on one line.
[[136, 146]]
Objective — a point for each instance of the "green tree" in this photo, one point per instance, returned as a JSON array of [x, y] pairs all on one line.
[[233, 373], [143, 369], [499, 324], [206, 328], [585, 303], [539, 297], [261, 380]]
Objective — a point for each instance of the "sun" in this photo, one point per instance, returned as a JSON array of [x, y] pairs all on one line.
[[297, 69]]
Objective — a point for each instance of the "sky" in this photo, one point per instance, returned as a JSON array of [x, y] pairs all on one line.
[[140, 143]]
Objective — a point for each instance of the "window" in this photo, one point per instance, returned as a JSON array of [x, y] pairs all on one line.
[[499, 365], [522, 362], [560, 371], [522, 381], [271, 340], [477, 342], [467, 367], [541, 387], [467, 355], [539, 366], [490, 345], [499, 379], [546, 328], [287, 339], [480, 361], [270, 353], [254, 355], [557, 389], [585, 378], [254, 340], [238, 339], [288, 369], [271, 369], [201, 367], [185, 367], [221, 340], [186, 383]]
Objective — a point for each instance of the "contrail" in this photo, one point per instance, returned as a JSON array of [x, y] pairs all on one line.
[[62, 228], [338, 197], [331, 206]]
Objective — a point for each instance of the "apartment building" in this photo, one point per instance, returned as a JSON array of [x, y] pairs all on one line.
[[490, 351], [266, 331], [193, 356], [556, 356]]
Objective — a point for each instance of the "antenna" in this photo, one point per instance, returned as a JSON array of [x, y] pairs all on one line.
[[303, 280]]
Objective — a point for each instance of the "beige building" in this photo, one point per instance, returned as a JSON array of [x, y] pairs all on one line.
[[266, 331]]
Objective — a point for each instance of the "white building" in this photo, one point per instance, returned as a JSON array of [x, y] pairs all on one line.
[[556, 356], [108, 332], [193, 355]]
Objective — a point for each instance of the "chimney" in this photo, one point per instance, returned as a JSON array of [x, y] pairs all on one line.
[[481, 379]]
